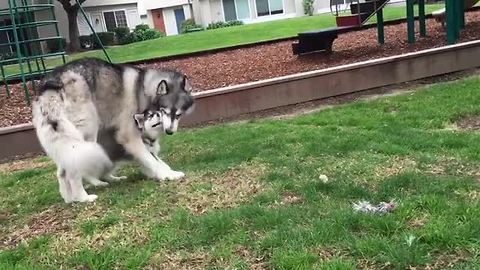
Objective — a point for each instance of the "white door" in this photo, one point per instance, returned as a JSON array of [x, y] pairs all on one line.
[[97, 22], [133, 18]]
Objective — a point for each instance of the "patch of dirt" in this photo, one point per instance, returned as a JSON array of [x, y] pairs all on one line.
[[253, 262], [180, 260], [445, 261], [202, 194], [396, 166], [418, 222], [242, 65], [469, 123], [24, 165], [53, 220], [291, 198]]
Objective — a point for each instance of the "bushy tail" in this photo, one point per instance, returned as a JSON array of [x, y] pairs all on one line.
[[62, 141]]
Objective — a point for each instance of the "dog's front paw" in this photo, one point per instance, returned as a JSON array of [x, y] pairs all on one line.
[[170, 175], [90, 198], [175, 175]]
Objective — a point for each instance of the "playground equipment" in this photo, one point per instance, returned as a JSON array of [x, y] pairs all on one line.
[[20, 24], [29, 55], [439, 15], [361, 11]]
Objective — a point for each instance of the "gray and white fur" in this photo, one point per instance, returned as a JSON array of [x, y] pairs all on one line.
[[98, 99], [76, 158]]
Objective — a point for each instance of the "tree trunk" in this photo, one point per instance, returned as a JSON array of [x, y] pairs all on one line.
[[73, 33]]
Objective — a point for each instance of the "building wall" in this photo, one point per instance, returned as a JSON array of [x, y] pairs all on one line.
[[97, 3], [216, 11], [154, 4], [131, 12], [170, 21]]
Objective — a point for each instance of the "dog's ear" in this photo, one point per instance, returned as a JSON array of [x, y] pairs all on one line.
[[162, 88], [190, 110], [139, 120], [186, 85]]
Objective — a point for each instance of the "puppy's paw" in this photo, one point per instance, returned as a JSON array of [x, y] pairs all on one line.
[[114, 178], [88, 198]]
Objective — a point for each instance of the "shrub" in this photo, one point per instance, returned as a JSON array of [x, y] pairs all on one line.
[[216, 25], [107, 39], [121, 34], [234, 23], [189, 25], [54, 46], [141, 27], [308, 7], [141, 33]]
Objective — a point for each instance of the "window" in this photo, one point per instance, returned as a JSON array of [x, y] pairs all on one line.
[[114, 19], [236, 10], [269, 7]]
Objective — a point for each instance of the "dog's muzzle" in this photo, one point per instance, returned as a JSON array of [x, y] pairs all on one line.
[[169, 132]]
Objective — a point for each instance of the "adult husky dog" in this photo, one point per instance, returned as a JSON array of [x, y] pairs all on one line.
[[94, 96]]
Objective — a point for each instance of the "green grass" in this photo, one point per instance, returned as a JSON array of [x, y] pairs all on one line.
[[220, 38], [253, 195]]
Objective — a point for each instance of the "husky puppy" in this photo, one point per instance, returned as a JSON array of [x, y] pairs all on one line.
[[98, 99], [76, 158], [150, 125]]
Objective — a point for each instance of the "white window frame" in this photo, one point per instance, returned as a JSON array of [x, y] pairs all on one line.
[[116, 24], [236, 12], [269, 10]]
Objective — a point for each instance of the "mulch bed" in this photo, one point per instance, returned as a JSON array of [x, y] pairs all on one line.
[[209, 71]]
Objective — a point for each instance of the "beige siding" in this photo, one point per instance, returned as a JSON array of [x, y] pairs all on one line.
[[96, 3], [154, 4], [216, 11], [289, 6], [131, 12]]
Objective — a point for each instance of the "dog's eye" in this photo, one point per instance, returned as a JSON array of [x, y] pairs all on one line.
[[178, 115]]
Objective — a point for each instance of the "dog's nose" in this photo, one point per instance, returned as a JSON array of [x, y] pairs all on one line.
[[169, 132]]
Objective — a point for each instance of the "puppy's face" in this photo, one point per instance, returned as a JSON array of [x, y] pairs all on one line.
[[149, 122]]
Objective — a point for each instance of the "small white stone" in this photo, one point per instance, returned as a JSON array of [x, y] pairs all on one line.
[[323, 178]]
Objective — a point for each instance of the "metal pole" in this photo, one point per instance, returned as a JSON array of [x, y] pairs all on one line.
[[17, 47], [410, 22], [421, 18], [461, 13], [93, 31], [380, 27], [451, 24]]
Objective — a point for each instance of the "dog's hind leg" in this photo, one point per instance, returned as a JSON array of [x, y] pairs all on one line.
[[78, 191], [64, 186]]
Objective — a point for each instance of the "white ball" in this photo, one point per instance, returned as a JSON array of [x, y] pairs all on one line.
[[323, 178]]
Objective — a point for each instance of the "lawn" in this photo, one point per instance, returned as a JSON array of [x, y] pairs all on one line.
[[220, 38], [253, 198]]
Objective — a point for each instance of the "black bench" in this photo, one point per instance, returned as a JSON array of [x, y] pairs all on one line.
[[317, 41]]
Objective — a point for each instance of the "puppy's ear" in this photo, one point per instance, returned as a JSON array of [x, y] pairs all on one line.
[[162, 88], [186, 85], [139, 120]]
